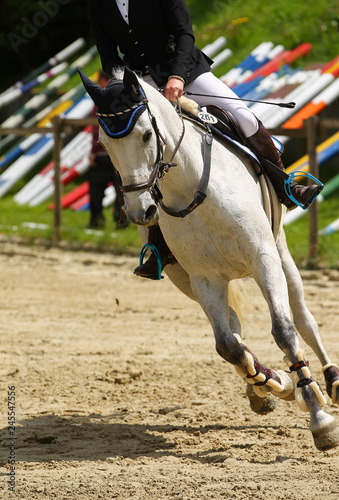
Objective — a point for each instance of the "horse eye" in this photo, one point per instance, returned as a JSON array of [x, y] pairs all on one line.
[[147, 135]]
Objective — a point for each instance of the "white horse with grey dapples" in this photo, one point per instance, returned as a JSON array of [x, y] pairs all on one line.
[[226, 237]]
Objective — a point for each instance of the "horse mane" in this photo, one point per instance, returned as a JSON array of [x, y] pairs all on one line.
[[186, 104], [117, 74]]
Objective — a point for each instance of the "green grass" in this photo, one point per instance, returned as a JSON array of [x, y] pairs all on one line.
[[13, 220], [297, 235]]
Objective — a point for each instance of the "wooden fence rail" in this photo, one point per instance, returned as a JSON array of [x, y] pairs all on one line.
[[313, 128]]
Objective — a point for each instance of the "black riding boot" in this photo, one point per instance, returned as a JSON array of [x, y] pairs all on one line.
[[262, 144], [150, 268]]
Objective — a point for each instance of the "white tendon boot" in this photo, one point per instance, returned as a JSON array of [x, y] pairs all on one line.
[[310, 398], [263, 379]]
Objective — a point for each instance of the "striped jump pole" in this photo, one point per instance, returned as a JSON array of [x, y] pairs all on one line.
[[43, 117], [330, 228], [213, 48], [221, 58], [72, 167], [61, 56], [325, 151], [79, 146], [73, 195], [274, 61], [27, 143], [301, 95], [8, 98], [255, 59], [315, 106], [81, 109], [283, 57], [39, 100]]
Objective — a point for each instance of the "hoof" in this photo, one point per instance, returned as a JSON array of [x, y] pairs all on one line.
[[331, 374], [259, 405], [326, 437]]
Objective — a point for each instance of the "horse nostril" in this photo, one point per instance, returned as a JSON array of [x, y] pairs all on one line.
[[150, 212]]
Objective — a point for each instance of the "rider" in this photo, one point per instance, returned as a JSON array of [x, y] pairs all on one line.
[[156, 39]]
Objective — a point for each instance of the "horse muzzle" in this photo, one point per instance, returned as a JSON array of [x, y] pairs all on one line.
[[144, 216]]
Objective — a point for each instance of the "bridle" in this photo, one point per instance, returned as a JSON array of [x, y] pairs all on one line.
[[161, 168]]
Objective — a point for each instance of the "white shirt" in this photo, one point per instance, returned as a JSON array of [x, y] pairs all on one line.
[[123, 7]]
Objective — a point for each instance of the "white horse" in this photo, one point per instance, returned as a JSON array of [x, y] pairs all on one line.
[[226, 237]]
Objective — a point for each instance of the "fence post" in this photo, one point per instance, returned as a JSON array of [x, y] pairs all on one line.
[[57, 127], [312, 127]]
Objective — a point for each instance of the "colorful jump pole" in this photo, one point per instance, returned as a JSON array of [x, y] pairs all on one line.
[[78, 147], [274, 60], [255, 59], [7, 98], [45, 115], [39, 100], [61, 56], [213, 48], [27, 143], [82, 108], [284, 57], [330, 228], [315, 106], [301, 95], [325, 151]]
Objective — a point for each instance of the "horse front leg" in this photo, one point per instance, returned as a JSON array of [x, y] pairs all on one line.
[[304, 320], [270, 277]]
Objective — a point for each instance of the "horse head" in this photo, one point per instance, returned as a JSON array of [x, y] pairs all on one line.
[[131, 138]]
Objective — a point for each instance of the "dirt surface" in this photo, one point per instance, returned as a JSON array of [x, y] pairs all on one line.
[[120, 393]]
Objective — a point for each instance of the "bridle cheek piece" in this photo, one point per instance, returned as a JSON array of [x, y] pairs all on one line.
[[160, 168]]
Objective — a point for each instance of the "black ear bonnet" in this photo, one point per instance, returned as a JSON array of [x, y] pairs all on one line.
[[119, 104], [118, 111]]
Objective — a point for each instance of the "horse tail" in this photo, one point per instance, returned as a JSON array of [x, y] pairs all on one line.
[[237, 298]]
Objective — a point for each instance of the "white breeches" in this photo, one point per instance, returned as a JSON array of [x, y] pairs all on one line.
[[209, 84]]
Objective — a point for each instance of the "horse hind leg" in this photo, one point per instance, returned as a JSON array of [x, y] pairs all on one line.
[[309, 397], [304, 320], [323, 426], [299, 385]]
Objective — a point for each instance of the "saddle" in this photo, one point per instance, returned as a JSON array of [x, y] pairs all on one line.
[[227, 129]]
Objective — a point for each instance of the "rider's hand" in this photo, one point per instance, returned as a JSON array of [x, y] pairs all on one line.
[[174, 88]]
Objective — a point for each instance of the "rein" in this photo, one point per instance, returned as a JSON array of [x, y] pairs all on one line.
[[160, 168]]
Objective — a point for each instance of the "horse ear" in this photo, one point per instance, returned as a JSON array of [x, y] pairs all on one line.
[[131, 84], [92, 88]]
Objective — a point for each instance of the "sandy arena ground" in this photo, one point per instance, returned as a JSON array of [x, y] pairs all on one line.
[[121, 394]]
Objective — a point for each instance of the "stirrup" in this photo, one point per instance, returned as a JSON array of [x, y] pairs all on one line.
[[301, 173], [156, 252]]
